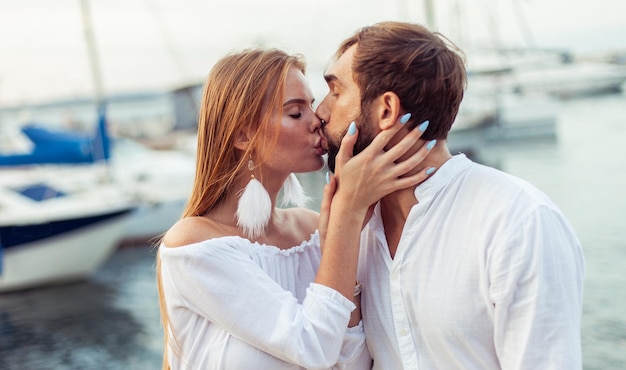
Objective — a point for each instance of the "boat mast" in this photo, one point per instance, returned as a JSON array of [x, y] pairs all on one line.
[[430, 14], [429, 10], [101, 141], [96, 73]]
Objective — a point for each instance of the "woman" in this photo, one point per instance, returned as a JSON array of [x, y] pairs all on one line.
[[245, 286]]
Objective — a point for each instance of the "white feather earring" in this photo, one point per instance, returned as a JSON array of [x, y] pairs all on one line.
[[254, 207], [293, 193]]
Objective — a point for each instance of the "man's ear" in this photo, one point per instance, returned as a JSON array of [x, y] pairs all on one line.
[[386, 109]]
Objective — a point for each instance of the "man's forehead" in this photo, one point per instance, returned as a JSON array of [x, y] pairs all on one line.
[[340, 70]]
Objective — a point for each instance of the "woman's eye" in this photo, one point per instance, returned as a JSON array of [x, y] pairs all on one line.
[[296, 116]]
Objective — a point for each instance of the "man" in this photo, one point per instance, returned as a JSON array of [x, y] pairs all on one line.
[[473, 268]]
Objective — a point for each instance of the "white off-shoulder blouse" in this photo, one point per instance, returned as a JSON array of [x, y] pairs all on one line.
[[234, 304]]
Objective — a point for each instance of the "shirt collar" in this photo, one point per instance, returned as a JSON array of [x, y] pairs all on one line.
[[428, 188], [442, 176]]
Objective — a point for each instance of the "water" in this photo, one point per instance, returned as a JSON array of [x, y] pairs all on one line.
[[111, 321]]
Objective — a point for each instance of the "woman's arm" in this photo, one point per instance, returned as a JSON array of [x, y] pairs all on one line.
[[222, 284]]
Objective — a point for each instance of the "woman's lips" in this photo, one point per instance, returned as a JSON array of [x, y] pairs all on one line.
[[320, 148], [324, 144]]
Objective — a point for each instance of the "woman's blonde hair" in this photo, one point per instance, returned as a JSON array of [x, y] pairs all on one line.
[[242, 94]]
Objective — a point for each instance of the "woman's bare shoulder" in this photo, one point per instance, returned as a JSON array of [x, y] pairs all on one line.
[[190, 230]]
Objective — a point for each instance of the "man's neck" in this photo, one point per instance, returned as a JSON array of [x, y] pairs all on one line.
[[395, 207]]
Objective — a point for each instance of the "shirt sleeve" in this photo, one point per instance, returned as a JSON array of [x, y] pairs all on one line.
[[223, 285], [354, 354], [536, 286]]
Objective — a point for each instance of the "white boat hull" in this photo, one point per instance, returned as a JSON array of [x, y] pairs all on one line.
[[69, 256]]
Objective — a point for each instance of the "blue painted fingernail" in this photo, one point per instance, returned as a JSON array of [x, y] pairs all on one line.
[[327, 177], [352, 128], [424, 125], [430, 170], [431, 144], [404, 119]]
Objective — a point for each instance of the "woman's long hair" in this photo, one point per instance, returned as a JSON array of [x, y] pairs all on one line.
[[242, 94]]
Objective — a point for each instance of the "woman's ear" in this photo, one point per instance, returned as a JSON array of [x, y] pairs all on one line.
[[386, 109], [242, 140]]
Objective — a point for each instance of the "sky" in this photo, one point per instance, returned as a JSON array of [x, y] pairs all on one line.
[[165, 44]]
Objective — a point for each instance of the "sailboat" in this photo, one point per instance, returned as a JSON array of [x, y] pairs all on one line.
[[56, 225], [60, 215], [50, 146]]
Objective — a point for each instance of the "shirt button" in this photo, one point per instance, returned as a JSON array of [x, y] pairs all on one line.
[[394, 276], [403, 332]]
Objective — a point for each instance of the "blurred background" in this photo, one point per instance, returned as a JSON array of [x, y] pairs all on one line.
[[82, 81]]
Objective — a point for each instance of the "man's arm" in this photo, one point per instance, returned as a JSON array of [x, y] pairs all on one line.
[[536, 287]]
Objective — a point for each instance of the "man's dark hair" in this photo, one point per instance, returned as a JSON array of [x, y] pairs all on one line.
[[423, 68]]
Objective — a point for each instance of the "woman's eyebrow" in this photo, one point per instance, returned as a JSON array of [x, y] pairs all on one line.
[[297, 101]]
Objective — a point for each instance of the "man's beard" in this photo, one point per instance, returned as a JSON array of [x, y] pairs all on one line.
[[364, 139]]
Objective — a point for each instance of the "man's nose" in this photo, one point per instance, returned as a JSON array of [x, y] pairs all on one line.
[[323, 112], [316, 123]]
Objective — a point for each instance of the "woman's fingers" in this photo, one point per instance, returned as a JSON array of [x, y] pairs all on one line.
[[411, 180], [347, 145], [382, 167], [407, 142], [382, 139], [394, 167], [399, 168]]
